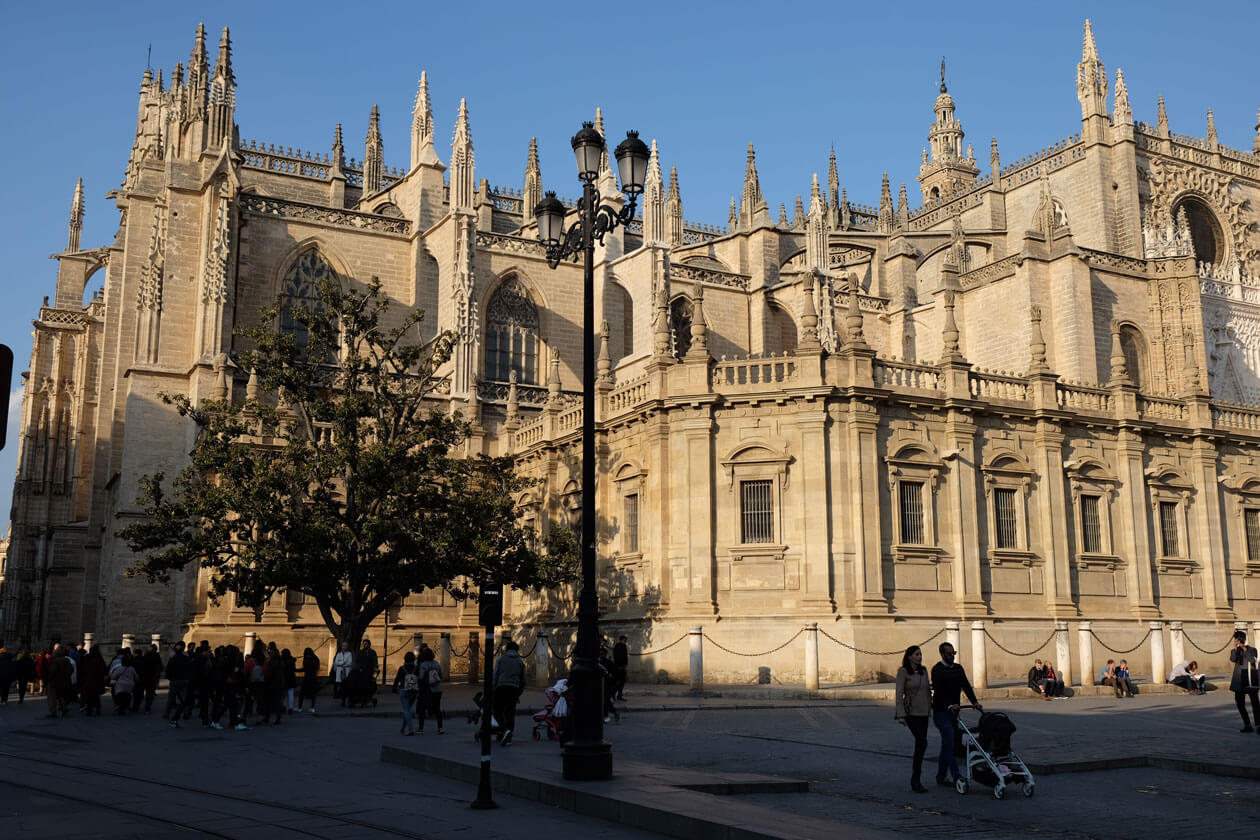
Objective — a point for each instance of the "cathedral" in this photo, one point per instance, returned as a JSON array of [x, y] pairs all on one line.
[[1021, 396]]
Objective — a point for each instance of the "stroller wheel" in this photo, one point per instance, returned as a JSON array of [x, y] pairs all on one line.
[[1028, 788], [999, 792], [961, 785]]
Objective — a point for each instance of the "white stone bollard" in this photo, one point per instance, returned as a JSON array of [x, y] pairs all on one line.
[[444, 655], [1063, 652], [542, 659], [128, 640], [156, 639], [1159, 670], [417, 642], [952, 635], [979, 659], [811, 656], [250, 638], [88, 639], [1255, 633], [1085, 645], [1176, 642], [697, 658]]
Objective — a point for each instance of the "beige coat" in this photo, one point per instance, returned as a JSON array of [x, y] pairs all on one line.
[[914, 694]]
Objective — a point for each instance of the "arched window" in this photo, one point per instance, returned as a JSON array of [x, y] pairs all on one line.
[[680, 324], [1205, 231], [1134, 348], [512, 334], [300, 289], [780, 332]]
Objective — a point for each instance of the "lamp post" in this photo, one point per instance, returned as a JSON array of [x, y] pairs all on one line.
[[588, 756]]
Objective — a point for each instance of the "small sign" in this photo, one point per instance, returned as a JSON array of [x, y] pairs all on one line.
[[490, 607]]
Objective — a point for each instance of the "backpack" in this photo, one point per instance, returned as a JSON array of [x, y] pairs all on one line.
[[411, 682], [435, 678]]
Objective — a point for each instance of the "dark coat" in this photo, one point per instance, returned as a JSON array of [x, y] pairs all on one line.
[[92, 676], [1245, 674]]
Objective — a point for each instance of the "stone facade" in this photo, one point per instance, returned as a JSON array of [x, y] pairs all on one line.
[[1035, 398]]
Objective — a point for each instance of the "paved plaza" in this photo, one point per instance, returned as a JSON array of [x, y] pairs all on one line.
[[1177, 766]]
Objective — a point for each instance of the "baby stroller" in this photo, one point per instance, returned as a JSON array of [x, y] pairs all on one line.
[[554, 719], [989, 758], [359, 689]]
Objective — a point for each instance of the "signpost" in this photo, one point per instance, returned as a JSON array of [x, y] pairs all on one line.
[[490, 615]]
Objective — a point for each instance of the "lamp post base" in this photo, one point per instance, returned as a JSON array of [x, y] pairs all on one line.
[[588, 762]]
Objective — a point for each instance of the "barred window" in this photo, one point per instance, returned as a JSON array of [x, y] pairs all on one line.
[[630, 507], [756, 516], [1168, 528], [1251, 519], [512, 334], [1007, 525], [912, 531], [1091, 525]]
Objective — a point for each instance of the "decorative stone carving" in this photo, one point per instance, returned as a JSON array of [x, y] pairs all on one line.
[[1162, 234]]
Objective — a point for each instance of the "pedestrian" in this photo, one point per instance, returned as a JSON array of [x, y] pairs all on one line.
[[229, 683], [310, 679], [341, 665], [621, 663], [913, 706], [610, 686], [273, 688], [92, 681], [367, 662], [8, 672], [57, 682], [177, 671], [1246, 680], [125, 680], [149, 667], [430, 700], [407, 687], [201, 680], [949, 682], [41, 670], [25, 668], [290, 679], [509, 682]]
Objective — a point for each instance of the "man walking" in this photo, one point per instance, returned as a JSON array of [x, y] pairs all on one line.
[[177, 672], [621, 665], [509, 682], [949, 682]]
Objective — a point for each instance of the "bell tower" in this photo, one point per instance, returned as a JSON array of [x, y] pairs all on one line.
[[947, 170]]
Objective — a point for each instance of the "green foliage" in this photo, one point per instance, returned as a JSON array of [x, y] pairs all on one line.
[[348, 484]]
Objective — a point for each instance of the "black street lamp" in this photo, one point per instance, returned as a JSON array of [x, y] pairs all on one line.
[[588, 756]]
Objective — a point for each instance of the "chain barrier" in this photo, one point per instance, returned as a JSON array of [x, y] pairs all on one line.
[[1204, 650], [753, 655], [462, 654], [1140, 642], [1005, 649], [525, 653], [556, 653], [877, 652], [661, 649], [405, 645]]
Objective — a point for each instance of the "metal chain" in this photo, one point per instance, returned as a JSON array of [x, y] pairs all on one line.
[[405, 644], [1005, 649], [1140, 642], [556, 653], [462, 654], [662, 649], [766, 653], [877, 652], [531, 648], [1202, 649]]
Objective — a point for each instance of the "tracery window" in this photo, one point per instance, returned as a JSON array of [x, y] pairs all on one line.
[[680, 310], [512, 334], [300, 290]]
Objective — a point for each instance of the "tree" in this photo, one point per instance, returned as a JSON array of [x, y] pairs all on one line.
[[349, 485]]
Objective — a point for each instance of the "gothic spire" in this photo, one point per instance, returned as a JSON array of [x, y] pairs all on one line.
[[654, 200], [1211, 129], [221, 100], [1161, 119], [76, 218], [1091, 78], [198, 75], [605, 168], [816, 229], [844, 209], [799, 218], [223, 64], [1255, 146], [1036, 343], [1121, 114], [752, 200], [995, 160], [903, 209], [833, 189], [532, 194], [732, 218], [784, 224], [885, 220], [421, 122], [462, 184], [374, 157], [673, 205], [338, 149]]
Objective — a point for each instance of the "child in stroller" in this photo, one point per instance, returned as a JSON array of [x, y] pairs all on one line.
[[554, 719], [990, 760]]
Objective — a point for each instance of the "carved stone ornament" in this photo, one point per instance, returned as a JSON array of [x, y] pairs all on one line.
[[1169, 182]]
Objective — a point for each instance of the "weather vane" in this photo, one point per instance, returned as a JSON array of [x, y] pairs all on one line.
[[942, 74]]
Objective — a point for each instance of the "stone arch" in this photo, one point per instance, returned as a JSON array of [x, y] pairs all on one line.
[[680, 313], [1136, 353], [308, 266], [1008, 459], [388, 209], [781, 329], [1207, 234]]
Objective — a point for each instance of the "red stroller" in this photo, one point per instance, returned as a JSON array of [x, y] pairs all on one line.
[[554, 719]]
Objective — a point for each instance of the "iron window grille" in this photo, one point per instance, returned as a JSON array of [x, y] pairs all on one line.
[[756, 514], [912, 531]]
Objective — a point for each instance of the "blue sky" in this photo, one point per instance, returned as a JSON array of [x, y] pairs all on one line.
[[704, 79]]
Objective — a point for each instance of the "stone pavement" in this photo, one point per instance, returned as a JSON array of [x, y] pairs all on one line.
[[1178, 767]]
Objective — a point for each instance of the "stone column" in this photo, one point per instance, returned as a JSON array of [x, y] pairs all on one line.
[[156, 639], [88, 639], [1132, 515], [1085, 644], [444, 655], [474, 657], [250, 638], [542, 659], [1052, 510], [811, 656], [862, 444], [417, 642], [1255, 633], [128, 640], [1176, 641], [697, 658], [1063, 652], [1159, 670], [952, 635], [959, 494], [979, 659]]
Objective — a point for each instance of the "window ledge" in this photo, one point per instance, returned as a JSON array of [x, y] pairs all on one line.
[[913, 553], [1172, 565], [1095, 560], [629, 558], [758, 551], [1011, 556]]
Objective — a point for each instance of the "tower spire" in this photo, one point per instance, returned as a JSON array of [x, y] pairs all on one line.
[[221, 100], [673, 209], [198, 75], [1121, 114], [421, 122], [816, 229], [752, 203], [532, 194], [374, 156], [654, 200], [76, 218], [1212, 139], [885, 219], [948, 169], [1161, 118], [462, 184], [1091, 79], [833, 190]]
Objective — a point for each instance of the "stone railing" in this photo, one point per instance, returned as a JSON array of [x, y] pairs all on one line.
[[1160, 408], [896, 374], [1229, 415], [529, 434], [630, 394], [991, 385], [267, 206], [286, 161], [1056, 156], [570, 419], [1197, 151], [497, 392], [48, 316], [986, 274], [753, 372], [1102, 259], [710, 276], [1075, 396], [934, 214]]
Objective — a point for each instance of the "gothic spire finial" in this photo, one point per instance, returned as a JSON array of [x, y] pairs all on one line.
[[885, 219], [943, 89], [462, 161], [654, 199], [1089, 52], [1211, 128], [1161, 118], [1091, 79], [995, 160], [752, 198], [604, 362], [532, 193], [223, 66], [783, 219], [1036, 343], [76, 217], [673, 209], [1255, 146], [1119, 365], [374, 156], [1121, 113]]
